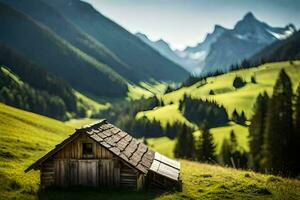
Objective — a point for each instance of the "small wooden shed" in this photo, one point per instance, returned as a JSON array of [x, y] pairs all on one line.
[[102, 155]]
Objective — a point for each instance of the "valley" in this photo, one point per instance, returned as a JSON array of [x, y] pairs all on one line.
[[226, 108], [20, 146]]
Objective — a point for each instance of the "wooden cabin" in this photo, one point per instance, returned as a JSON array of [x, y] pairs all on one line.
[[102, 155]]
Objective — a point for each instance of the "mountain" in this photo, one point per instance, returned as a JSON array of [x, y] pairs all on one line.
[[247, 38], [224, 47], [146, 62], [288, 49], [28, 86], [199, 52], [42, 46], [164, 49], [49, 17]]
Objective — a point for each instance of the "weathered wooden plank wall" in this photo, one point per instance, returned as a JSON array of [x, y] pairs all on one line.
[[128, 176], [74, 149], [68, 167], [47, 174]]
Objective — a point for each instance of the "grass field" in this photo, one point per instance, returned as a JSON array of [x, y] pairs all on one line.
[[242, 98], [77, 123], [90, 105], [24, 137], [227, 95], [146, 90], [166, 146]]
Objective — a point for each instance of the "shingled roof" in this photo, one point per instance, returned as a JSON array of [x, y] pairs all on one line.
[[121, 144]]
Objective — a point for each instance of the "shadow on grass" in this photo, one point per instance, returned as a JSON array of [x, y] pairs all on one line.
[[75, 193]]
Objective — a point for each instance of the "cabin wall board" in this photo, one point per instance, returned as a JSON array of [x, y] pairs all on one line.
[[73, 150], [47, 174], [128, 177], [69, 168]]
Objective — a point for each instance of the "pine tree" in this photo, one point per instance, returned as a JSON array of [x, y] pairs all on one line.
[[279, 128], [242, 119], [226, 152], [184, 147], [235, 115], [233, 141], [238, 157], [297, 132], [207, 144], [256, 130], [238, 82], [253, 79], [198, 148]]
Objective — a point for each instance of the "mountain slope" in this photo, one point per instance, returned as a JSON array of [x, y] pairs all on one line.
[[37, 77], [146, 62], [247, 38], [28, 86], [224, 93], [48, 16], [164, 49], [40, 45], [288, 49], [199, 52], [225, 47], [25, 137]]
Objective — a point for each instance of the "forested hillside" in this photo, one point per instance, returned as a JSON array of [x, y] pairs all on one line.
[[288, 49], [145, 61], [48, 50], [49, 17], [208, 121], [28, 86]]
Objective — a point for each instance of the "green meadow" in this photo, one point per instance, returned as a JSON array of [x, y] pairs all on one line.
[[241, 99], [24, 137], [226, 94]]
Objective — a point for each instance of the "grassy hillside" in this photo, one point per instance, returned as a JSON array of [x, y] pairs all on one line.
[[166, 145], [24, 137], [241, 99]]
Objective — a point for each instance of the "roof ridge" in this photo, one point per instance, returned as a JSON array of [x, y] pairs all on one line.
[[92, 125]]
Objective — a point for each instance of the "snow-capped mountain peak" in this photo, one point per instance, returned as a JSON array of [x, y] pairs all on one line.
[[223, 47]]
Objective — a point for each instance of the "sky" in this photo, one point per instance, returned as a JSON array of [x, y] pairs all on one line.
[[184, 23]]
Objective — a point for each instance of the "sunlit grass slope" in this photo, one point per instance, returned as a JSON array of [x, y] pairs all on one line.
[[24, 137], [242, 98], [202, 181], [166, 145], [77, 123], [167, 114], [90, 105], [146, 90], [227, 95]]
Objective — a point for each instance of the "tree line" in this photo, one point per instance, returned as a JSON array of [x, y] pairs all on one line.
[[203, 148], [198, 111], [275, 130], [21, 95], [274, 135], [124, 114]]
